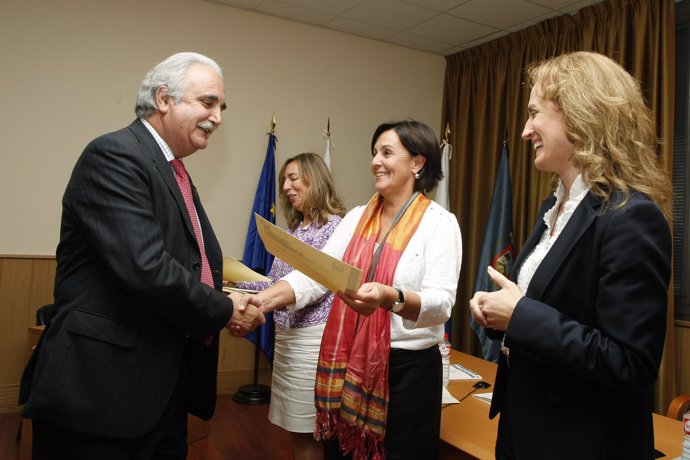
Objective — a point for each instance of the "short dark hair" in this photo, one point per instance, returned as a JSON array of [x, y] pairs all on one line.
[[419, 139]]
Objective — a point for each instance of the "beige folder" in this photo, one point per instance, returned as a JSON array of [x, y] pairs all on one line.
[[328, 271], [236, 271]]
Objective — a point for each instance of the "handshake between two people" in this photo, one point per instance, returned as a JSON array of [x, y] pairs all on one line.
[[246, 315], [249, 309]]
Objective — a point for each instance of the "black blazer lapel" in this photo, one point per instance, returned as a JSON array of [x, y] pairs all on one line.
[[534, 237], [579, 222]]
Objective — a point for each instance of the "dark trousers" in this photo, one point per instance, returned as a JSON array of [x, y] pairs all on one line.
[[413, 422], [504, 443], [167, 441]]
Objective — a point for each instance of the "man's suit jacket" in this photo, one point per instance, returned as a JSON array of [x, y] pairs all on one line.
[[587, 338], [130, 306]]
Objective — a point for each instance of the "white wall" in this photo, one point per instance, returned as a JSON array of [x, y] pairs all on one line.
[[71, 69]]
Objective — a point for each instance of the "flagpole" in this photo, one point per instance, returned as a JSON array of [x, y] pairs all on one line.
[[329, 146], [256, 393], [442, 195]]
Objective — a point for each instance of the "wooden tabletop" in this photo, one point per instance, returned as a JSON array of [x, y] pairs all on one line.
[[467, 427]]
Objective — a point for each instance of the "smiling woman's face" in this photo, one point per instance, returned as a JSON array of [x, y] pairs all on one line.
[[545, 129], [393, 166], [294, 186]]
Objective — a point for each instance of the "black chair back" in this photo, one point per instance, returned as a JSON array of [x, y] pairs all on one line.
[[44, 314]]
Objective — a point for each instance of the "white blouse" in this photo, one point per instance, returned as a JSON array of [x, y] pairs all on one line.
[[553, 221], [429, 266]]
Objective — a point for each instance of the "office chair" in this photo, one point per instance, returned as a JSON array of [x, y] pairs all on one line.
[[678, 407], [44, 313]]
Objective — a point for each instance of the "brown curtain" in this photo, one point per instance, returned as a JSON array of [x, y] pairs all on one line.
[[485, 101]]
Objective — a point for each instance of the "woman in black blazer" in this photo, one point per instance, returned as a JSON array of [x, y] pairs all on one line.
[[584, 318]]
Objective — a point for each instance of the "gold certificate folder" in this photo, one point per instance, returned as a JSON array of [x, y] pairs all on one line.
[[328, 271], [235, 271]]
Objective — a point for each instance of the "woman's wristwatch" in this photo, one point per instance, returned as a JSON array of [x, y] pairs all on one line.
[[398, 304]]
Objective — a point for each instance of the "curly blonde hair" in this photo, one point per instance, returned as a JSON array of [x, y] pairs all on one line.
[[320, 199], [608, 122]]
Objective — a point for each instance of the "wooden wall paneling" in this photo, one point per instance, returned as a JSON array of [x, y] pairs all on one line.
[[236, 364], [19, 276], [42, 283], [26, 283], [15, 300]]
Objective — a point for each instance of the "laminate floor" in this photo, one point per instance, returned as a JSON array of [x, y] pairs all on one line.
[[236, 432]]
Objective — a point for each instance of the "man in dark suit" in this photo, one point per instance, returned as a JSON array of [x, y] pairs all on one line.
[[133, 344]]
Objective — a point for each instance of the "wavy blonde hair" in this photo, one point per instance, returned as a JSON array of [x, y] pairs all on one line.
[[320, 200], [608, 122]]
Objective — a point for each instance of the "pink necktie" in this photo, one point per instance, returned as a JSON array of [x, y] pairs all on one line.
[[186, 189]]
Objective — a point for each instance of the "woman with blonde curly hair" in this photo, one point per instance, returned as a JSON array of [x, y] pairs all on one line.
[[584, 319]]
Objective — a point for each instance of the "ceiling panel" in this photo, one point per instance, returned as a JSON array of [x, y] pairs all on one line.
[[361, 28], [437, 5], [296, 13], [392, 14], [336, 7], [437, 26], [451, 30], [513, 12]]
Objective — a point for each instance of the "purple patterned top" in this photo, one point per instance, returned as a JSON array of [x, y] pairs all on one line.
[[314, 313]]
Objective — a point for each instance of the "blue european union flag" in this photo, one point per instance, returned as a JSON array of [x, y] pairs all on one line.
[[497, 249], [255, 255]]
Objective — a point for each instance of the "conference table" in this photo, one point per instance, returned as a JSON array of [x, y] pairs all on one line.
[[466, 425]]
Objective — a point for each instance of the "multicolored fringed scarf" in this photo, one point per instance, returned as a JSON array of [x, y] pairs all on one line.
[[351, 391]]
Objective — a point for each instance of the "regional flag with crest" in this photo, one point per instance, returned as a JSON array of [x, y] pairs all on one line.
[[497, 249]]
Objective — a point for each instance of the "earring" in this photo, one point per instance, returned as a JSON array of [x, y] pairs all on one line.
[[416, 175]]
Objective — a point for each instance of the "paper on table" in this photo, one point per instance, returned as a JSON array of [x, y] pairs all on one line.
[[458, 372], [234, 270], [486, 397], [447, 398], [328, 271]]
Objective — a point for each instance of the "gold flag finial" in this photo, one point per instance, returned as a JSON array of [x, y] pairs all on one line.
[[447, 134], [273, 123], [328, 127]]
